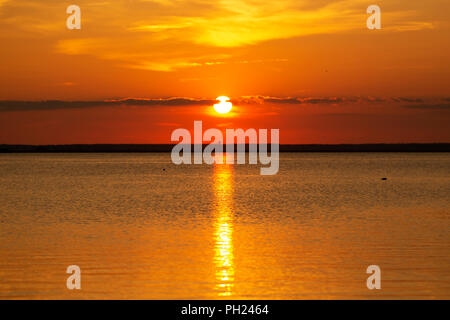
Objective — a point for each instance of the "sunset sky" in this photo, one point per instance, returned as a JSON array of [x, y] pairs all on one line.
[[138, 69]]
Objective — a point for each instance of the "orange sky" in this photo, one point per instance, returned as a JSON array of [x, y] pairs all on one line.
[[310, 68]]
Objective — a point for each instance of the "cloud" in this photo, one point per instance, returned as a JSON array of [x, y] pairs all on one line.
[[411, 103], [333, 100], [236, 23], [6, 105], [162, 102], [303, 100], [166, 35], [412, 100]]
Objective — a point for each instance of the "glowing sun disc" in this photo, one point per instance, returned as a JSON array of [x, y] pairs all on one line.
[[223, 106]]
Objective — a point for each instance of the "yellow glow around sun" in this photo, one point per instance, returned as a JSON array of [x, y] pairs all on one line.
[[223, 106]]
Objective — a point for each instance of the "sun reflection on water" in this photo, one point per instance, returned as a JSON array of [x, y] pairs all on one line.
[[223, 226]]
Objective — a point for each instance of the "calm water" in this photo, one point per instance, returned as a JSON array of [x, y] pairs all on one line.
[[224, 232]]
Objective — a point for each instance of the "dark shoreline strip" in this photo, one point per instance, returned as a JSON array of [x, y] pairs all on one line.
[[112, 148]]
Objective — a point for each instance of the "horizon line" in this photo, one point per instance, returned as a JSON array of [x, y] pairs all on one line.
[[154, 148]]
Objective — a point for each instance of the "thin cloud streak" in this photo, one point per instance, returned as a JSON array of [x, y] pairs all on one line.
[[59, 104]]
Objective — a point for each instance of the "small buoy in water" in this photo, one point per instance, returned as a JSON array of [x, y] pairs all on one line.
[[383, 178]]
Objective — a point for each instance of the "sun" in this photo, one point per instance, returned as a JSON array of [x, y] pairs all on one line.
[[223, 106]]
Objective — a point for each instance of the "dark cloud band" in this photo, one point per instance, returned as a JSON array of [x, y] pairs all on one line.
[[59, 104], [413, 103]]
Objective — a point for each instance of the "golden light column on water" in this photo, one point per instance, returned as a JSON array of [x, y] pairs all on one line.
[[223, 229]]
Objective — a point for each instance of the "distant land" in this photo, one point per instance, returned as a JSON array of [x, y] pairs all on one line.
[[110, 148]]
